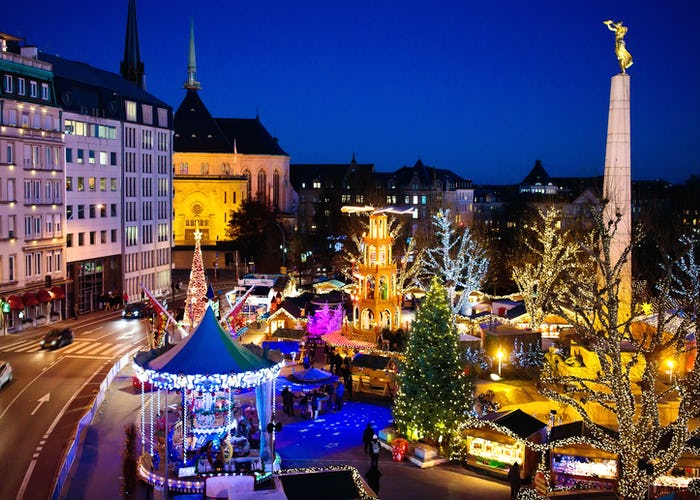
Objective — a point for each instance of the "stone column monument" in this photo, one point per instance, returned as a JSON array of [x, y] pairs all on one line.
[[617, 181]]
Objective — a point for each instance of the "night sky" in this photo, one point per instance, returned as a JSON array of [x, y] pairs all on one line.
[[481, 88]]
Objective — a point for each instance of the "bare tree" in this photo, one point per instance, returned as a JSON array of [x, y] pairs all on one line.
[[458, 260], [553, 259]]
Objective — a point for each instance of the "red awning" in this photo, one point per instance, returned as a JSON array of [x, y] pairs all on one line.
[[15, 302], [43, 296], [29, 299], [58, 292]]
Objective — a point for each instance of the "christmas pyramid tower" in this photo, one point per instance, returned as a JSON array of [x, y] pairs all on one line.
[[196, 301]]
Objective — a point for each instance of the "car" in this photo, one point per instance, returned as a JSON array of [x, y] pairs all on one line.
[[57, 338], [137, 310], [6, 374]]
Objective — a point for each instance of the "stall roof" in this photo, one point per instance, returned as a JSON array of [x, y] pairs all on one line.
[[289, 333], [208, 350], [517, 421], [575, 429], [371, 361]]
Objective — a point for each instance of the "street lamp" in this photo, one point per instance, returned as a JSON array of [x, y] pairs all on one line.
[[671, 364], [499, 356]]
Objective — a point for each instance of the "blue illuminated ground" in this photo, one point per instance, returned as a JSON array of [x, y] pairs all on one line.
[[331, 439]]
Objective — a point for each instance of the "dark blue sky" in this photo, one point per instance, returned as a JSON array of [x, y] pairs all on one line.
[[480, 88]]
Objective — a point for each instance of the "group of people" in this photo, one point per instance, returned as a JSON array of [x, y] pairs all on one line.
[[340, 366], [310, 403]]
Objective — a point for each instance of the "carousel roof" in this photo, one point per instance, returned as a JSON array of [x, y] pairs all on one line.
[[208, 350]]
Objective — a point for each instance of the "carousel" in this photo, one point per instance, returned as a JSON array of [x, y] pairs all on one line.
[[223, 392]]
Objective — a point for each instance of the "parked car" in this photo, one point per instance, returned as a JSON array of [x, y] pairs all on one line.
[[6, 374], [57, 338], [137, 310]]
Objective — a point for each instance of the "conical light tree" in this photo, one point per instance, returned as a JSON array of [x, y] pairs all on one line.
[[325, 320], [434, 393], [196, 301]]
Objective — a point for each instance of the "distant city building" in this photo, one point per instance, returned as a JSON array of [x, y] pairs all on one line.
[[32, 221]]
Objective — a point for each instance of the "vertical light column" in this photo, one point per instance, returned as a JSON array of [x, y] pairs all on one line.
[[617, 183]]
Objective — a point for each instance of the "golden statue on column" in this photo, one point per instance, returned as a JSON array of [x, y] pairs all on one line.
[[623, 57]]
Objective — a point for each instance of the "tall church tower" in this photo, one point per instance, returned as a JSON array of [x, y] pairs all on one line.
[[131, 67], [377, 304]]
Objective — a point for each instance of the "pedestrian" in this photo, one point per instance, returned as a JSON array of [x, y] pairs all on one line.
[[367, 437], [331, 359], [306, 363], [288, 401], [514, 480], [338, 364], [76, 310], [347, 378], [375, 447], [373, 476], [339, 392], [315, 404]]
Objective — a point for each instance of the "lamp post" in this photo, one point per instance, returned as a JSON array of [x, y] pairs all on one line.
[[283, 246], [671, 364], [499, 356]]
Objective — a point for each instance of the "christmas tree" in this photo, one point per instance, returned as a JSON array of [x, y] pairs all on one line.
[[196, 302], [434, 392]]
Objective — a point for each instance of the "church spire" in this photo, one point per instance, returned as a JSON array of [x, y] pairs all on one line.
[[132, 67], [192, 82]]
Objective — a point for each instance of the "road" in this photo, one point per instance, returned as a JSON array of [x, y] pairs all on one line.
[[39, 410]]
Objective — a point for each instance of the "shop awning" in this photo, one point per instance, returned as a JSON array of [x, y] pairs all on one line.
[[15, 302], [58, 292], [43, 296], [29, 299]]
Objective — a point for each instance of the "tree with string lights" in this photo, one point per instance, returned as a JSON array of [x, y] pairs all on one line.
[[631, 386], [553, 261], [458, 259], [327, 319], [434, 393]]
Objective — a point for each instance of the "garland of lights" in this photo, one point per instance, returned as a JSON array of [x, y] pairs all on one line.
[[207, 383], [150, 426], [143, 418]]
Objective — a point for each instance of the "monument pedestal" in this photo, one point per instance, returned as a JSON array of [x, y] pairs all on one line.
[[617, 184]]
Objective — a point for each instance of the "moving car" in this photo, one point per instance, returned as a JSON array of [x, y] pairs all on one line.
[[5, 373], [57, 338], [137, 310]]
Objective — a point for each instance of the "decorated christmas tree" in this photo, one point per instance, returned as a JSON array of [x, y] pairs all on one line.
[[434, 393], [196, 301]]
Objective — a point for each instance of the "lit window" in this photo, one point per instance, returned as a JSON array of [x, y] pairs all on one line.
[[130, 111], [45, 91]]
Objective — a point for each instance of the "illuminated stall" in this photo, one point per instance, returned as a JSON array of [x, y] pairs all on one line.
[[573, 464], [495, 452], [676, 480]]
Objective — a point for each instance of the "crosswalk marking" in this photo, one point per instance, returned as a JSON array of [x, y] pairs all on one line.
[[78, 347]]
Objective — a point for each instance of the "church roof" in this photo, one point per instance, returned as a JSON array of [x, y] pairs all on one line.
[[208, 350], [251, 137], [196, 131]]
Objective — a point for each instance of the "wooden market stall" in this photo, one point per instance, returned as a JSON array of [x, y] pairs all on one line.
[[676, 480], [494, 452], [374, 373], [574, 464]]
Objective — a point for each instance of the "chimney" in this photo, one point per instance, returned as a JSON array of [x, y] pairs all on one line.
[[30, 52]]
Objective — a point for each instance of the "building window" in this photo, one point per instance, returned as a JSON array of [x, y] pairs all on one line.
[[81, 156], [162, 117], [91, 183], [103, 157], [69, 155], [81, 183], [103, 184], [92, 237], [113, 210], [10, 154], [130, 110], [113, 158], [113, 184], [45, 91], [113, 235], [92, 211], [81, 211], [103, 237], [20, 86], [91, 157], [147, 112], [9, 88], [33, 89], [81, 239]]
